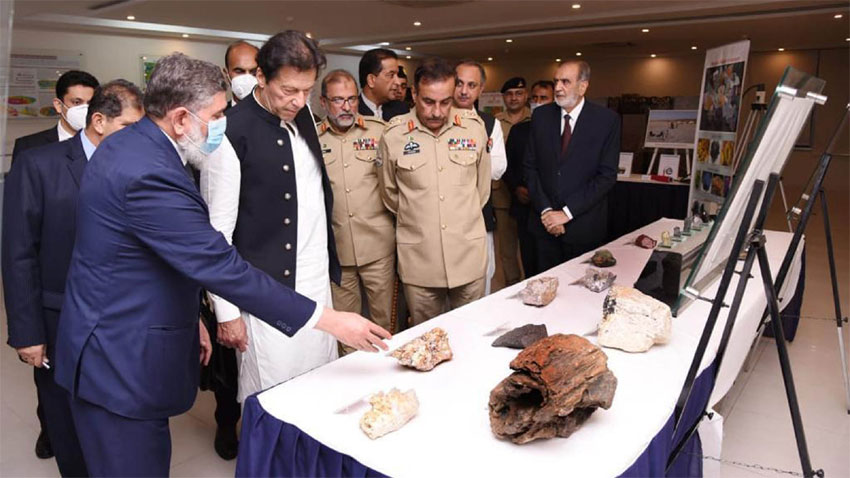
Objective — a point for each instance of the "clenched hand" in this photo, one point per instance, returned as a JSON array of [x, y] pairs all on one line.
[[233, 334]]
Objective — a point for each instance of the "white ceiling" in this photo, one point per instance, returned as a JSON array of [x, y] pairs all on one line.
[[470, 28]]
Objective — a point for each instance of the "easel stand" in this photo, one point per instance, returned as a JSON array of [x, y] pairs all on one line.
[[655, 152], [754, 241], [809, 199]]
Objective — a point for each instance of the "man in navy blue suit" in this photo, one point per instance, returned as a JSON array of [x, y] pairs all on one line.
[[129, 340], [570, 166], [39, 211]]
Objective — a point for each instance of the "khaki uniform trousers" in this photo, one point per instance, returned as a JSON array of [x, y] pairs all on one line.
[[378, 280], [508, 245], [426, 303]]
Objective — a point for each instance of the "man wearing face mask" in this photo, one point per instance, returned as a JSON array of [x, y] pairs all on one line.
[[74, 89], [39, 211], [435, 173], [363, 227], [542, 93], [240, 60], [379, 83], [470, 83], [129, 342], [570, 166]]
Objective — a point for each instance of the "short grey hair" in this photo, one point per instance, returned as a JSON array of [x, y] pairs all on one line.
[[583, 69], [337, 76], [178, 80], [467, 62]]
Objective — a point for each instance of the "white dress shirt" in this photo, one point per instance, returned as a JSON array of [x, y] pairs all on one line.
[[573, 118], [88, 146], [498, 156], [379, 112], [63, 133]]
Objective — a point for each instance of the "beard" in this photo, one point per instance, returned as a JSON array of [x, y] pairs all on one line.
[[569, 101], [342, 121], [189, 149]]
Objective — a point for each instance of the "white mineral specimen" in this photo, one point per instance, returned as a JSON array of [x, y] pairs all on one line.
[[426, 351], [633, 321], [390, 411]]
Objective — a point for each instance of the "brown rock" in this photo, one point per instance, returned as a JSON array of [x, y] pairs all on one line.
[[539, 292], [558, 383], [426, 351]]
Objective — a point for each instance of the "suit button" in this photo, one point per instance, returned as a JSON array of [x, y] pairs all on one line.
[[286, 221], [343, 140], [287, 196], [436, 140], [442, 198], [347, 190], [345, 165], [288, 246], [351, 214], [289, 329], [280, 142], [286, 273], [286, 167], [443, 226], [440, 168], [559, 173]]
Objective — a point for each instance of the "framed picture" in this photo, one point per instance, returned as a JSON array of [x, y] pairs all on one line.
[[671, 129], [625, 168]]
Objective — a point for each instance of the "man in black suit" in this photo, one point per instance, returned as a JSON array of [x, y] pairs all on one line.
[[74, 89], [542, 93], [570, 166], [39, 223], [379, 84]]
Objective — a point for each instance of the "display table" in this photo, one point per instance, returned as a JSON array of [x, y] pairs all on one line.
[[292, 430], [635, 202]]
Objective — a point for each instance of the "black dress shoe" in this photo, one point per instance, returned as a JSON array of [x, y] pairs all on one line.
[[43, 449], [226, 444]]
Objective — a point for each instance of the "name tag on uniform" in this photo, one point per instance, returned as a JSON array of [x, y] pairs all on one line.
[[325, 149], [460, 144], [365, 144], [412, 147]]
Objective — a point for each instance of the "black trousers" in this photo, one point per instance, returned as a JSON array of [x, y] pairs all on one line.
[[527, 242], [54, 402], [227, 409], [552, 251]]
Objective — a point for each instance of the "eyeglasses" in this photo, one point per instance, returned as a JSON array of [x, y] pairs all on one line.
[[339, 100]]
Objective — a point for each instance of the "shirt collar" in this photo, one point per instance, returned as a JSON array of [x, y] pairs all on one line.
[[174, 143], [63, 135], [372, 106], [575, 112], [288, 125], [88, 146]]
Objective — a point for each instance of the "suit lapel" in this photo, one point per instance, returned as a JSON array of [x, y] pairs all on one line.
[[76, 158], [556, 127]]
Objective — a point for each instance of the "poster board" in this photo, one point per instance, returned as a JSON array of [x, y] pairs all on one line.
[[146, 64], [491, 102], [625, 167], [674, 129], [32, 82], [717, 123], [668, 165]]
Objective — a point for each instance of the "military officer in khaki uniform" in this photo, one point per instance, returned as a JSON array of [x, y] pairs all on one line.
[[516, 111], [435, 166], [363, 227]]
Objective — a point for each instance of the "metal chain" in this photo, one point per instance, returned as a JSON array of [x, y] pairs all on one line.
[[751, 466]]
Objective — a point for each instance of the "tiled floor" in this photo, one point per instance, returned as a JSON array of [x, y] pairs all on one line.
[[757, 425]]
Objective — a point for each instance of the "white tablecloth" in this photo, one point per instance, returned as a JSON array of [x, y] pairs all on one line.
[[451, 435]]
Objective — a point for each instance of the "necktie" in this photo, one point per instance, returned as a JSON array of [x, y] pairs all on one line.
[[566, 135]]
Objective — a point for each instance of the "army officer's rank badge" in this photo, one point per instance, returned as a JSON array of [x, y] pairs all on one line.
[[412, 147]]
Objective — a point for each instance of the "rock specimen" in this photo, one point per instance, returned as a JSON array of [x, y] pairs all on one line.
[[522, 337], [426, 351], [603, 258], [665, 239], [677, 234], [596, 280], [390, 411], [633, 321], [689, 221], [558, 383], [539, 292], [645, 242]]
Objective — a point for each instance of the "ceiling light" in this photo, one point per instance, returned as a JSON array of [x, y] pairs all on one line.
[[838, 15], [417, 24], [185, 35], [509, 41], [558, 60], [408, 57], [645, 30], [309, 35], [694, 47], [781, 49], [385, 43], [130, 17], [408, 48], [578, 53], [653, 55], [576, 6], [847, 39], [489, 58]]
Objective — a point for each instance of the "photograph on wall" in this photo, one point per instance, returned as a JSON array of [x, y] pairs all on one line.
[[671, 129], [146, 64], [32, 82], [491, 102], [718, 118]]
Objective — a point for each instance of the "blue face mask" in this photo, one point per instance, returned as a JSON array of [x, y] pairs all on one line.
[[215, 134]]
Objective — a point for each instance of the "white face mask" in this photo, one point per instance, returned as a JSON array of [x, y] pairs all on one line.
[[533, 105], [243, 85], [76, 116]]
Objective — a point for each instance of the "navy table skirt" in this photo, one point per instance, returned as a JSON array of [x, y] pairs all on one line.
[[271, 447]]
